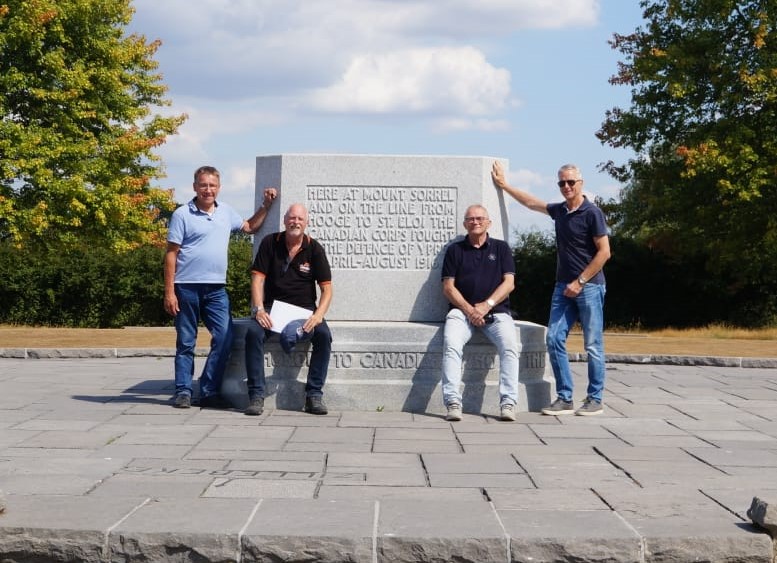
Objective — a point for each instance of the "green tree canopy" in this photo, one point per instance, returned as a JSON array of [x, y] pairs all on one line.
[[703, 126], [77, 132]]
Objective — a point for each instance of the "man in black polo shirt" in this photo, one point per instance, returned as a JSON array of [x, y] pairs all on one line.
[[287, 267], [478, 274]]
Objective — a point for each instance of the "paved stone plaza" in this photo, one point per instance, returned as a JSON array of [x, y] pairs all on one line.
[[95, 465]]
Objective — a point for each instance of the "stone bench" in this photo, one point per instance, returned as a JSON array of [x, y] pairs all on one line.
[[393, 366]]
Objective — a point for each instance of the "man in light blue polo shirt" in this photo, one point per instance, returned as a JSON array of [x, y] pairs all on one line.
[[195, 268]]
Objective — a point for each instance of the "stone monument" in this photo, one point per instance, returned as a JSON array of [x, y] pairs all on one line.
[[385, 222]]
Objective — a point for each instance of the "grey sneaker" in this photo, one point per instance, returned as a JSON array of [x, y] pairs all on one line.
[[182, 401], [315, 405], [454, 413], [559, 407], [255, 406], [507, 413], [590, 407]]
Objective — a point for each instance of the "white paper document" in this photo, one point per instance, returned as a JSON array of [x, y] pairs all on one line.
[[283, 313]]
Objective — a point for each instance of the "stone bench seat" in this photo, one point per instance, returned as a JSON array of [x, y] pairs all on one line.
[[392, 366]]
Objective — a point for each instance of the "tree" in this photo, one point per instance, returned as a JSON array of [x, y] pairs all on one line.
[[77, 132], [703, 127]]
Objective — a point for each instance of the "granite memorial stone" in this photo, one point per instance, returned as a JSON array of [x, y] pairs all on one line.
[[385, 222]]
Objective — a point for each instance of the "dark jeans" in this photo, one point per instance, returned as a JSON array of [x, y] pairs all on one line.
[[319, 359]]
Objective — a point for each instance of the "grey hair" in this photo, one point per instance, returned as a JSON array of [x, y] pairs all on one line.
[[572, 167]]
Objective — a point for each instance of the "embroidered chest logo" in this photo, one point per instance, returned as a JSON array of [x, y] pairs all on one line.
[[304, 267], [492, 257]]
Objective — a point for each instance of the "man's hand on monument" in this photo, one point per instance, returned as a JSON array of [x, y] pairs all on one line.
[[269, 196]]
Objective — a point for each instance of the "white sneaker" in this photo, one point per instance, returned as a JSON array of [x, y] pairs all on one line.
[[454, 413], [507, 413]]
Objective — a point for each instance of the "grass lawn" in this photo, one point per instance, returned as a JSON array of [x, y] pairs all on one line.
[[710, 341]]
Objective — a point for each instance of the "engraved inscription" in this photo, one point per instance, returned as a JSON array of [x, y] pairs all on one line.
[[396, 360], [387, 228]]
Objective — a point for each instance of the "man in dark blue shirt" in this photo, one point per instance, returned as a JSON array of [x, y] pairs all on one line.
[[583, 247], [478, 275]]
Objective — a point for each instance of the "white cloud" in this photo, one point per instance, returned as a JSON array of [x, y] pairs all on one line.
[[243, 48], [455, 80]]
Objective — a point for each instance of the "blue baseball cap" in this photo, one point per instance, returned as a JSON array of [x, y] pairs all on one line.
[[293, 333]]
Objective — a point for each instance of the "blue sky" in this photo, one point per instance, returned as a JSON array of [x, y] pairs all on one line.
[[525, 80]]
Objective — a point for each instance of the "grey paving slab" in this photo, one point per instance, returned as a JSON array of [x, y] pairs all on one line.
[[262, 488], [417, 446], [73, 485], [619, 452], [421, 493], [738, 500], [387, 477], [656, 501], [481, 480], [544, 499], [471, 463], [328, 447], [43, 527], [178, 485], [182, 530], [59, 466], [556, 535], [385, 460], [671, 467], [412, 530], [325, 531], [741, 456], [717, 537]]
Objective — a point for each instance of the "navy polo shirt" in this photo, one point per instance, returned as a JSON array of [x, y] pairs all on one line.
[[477, 272], [575, 234], [293, 281]]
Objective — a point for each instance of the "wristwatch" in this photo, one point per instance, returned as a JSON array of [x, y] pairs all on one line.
[[255, 310], [491, 303], [582, 281]]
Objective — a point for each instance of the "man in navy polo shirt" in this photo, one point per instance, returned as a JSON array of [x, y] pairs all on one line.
[[287, 267], [478, 275], [583, 248]]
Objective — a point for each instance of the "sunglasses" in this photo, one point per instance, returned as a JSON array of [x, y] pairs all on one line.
[[569, 183]]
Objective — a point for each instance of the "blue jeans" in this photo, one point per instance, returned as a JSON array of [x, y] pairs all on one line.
[[210, 303], [458, 331], [588, 308], [319, 359]]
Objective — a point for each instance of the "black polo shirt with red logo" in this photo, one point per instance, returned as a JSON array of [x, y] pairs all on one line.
[[293, 281]]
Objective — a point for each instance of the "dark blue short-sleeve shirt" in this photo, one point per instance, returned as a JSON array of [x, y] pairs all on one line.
[[478, 271], [575, 233]]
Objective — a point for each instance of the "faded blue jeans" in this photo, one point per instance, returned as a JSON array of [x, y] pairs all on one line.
[[588, 308], [210, 303], [458, 331]]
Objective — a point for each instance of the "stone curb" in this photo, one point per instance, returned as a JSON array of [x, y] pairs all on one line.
[[135, 529], [646, 359]]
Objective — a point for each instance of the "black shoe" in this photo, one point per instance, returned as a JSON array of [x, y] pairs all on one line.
[[182, 401], [315, 405], [255, 407], [214, 401]]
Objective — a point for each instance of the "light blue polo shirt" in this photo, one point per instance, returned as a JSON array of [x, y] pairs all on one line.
[[204, 242]]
